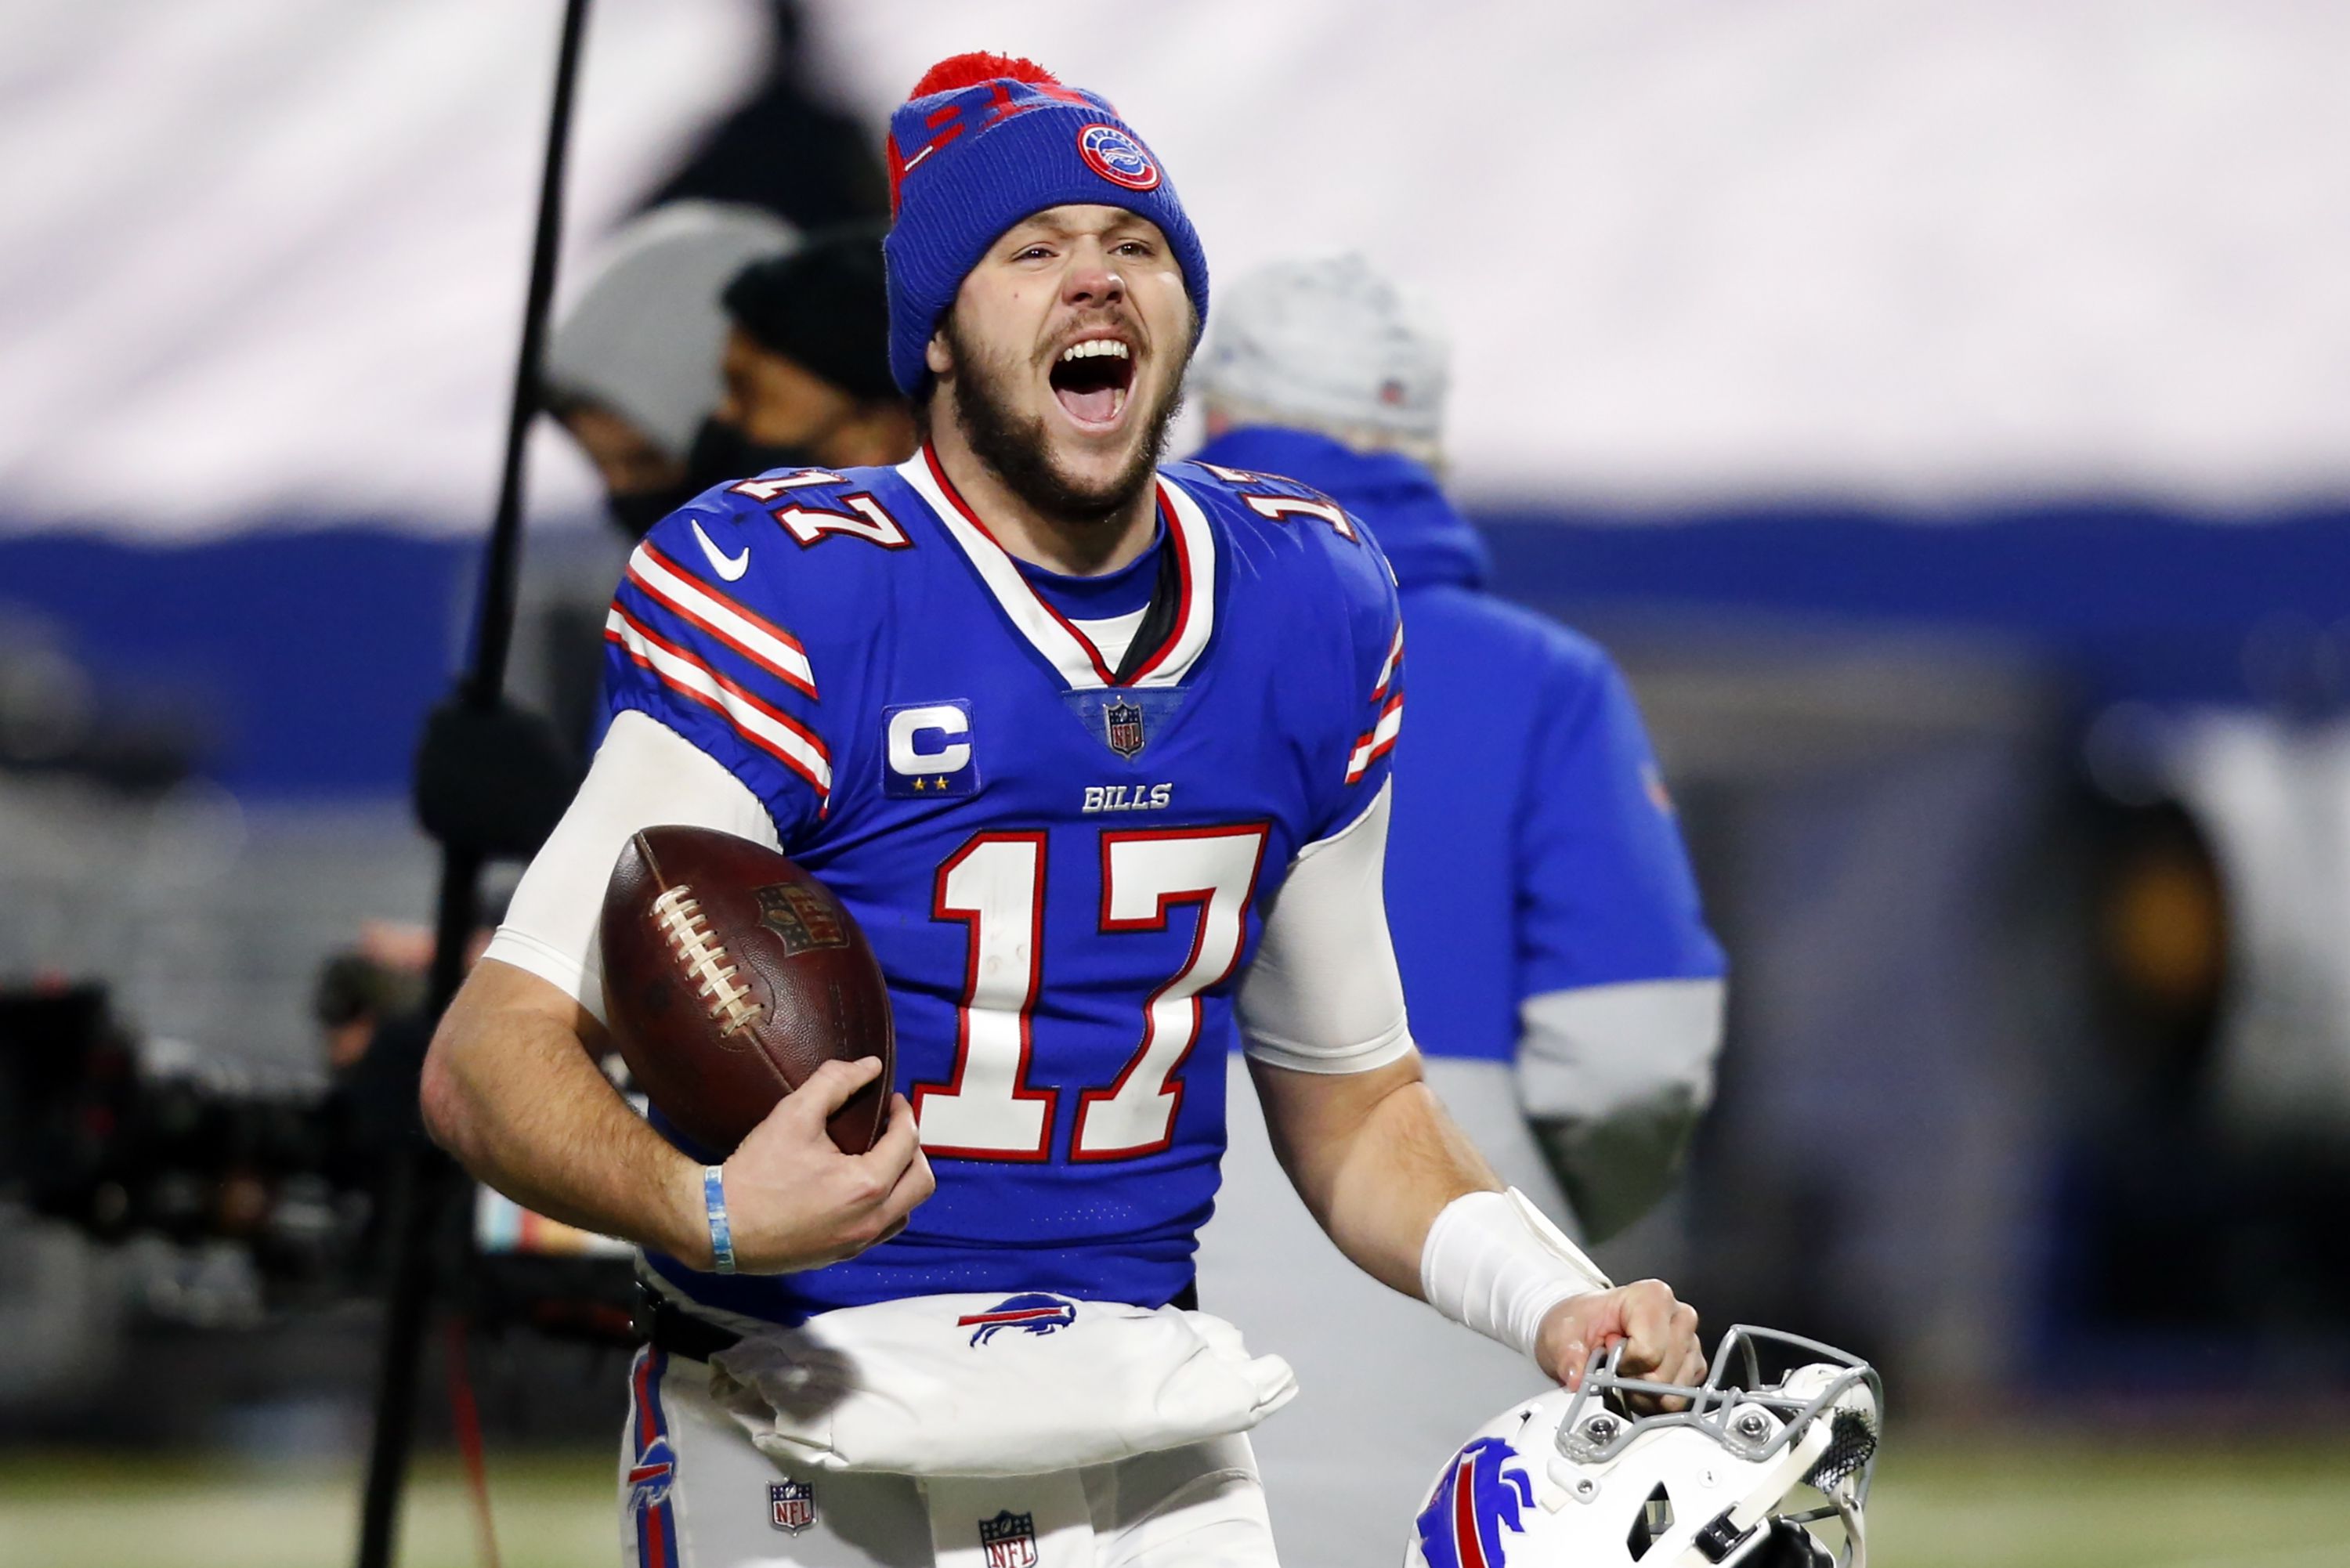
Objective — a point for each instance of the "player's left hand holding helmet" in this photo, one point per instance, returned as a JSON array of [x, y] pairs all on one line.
[[1577, 1479]]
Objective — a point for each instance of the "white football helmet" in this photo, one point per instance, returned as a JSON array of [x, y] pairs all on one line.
[[1578, 1479]]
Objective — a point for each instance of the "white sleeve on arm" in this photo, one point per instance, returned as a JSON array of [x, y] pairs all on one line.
[[645, 776], [1324, 995]]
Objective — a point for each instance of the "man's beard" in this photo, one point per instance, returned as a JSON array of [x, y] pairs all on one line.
[[1020, 452]]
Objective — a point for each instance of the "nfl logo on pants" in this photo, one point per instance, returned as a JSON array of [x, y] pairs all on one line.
[[1010, 1538], [792, 1505]]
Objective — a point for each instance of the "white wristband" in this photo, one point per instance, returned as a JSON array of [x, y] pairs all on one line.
[[1494, 1262]]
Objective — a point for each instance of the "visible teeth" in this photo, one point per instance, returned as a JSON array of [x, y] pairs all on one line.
[[1094, 348]]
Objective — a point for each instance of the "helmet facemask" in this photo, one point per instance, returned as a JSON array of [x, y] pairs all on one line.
[[1613, 1478]]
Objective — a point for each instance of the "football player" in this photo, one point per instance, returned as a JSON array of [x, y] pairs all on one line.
[[1545, 918], [1097, 754]]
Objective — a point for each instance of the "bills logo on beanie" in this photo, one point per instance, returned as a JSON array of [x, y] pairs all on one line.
[[985, 141]]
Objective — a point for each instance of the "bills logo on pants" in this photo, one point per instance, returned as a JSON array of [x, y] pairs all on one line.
[[1032, 1311], [1462, 1525], [649, 1478], [652, 1476]]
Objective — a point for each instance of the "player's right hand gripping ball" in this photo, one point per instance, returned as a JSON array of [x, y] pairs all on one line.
[[730, 975]]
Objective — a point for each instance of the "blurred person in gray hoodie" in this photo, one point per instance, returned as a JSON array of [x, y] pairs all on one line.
[[632, 369], [631, 374], [712, 343]]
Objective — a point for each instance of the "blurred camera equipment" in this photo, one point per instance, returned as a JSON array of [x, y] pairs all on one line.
[[121, 1134]]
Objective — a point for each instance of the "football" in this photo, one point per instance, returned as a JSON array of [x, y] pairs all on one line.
[[730, 976]]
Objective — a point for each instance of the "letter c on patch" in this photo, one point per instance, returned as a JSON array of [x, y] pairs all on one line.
[[907, 725]]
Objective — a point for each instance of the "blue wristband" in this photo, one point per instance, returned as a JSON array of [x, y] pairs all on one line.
[[714, 1203]]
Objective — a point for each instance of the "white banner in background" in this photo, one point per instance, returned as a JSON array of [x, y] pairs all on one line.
[[1925, 251], [268, 257]]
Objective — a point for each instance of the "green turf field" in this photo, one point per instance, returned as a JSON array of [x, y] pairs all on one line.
[[1940, 1503]]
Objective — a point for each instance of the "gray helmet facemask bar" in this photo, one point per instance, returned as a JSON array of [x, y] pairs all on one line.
[[1749, 1418]]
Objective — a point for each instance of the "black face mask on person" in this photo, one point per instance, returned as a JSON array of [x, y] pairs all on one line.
[[634, 512], [721, 452]]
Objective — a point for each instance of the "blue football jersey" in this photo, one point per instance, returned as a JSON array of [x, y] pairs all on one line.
[[1062, 865]]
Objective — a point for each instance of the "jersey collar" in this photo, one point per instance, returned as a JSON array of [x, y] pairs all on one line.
[[1189, 538]]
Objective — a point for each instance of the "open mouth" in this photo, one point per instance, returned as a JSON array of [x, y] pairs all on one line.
[[1091, 380]]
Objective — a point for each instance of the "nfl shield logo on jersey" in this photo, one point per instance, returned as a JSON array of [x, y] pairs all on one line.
[[1122, 727], [792, 1505], [1010, 1538], [1126, 719]]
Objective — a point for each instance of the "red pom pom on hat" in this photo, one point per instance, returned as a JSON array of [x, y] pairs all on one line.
[[970, 70]]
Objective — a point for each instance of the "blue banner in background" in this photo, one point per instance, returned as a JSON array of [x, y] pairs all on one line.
[[300, 662], [2126, 601], [310, 655]]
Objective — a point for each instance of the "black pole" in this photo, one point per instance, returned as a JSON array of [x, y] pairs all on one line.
[[422, 1188], [494, 625]]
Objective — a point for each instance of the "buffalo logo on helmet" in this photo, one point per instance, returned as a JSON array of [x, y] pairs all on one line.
[[790, 1505], [1116, 157], [1010, 1538], [1476, 1499], [1031, 1312]]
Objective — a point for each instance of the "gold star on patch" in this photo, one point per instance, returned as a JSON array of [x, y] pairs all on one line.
[[918, 784], [943, 783]]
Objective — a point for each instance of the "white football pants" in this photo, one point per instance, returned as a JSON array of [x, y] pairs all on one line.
[[695, 1494]]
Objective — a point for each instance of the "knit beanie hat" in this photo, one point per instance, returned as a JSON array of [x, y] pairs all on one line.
[[1328, 342], [645, 334], [825, 307], [984, 143]]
